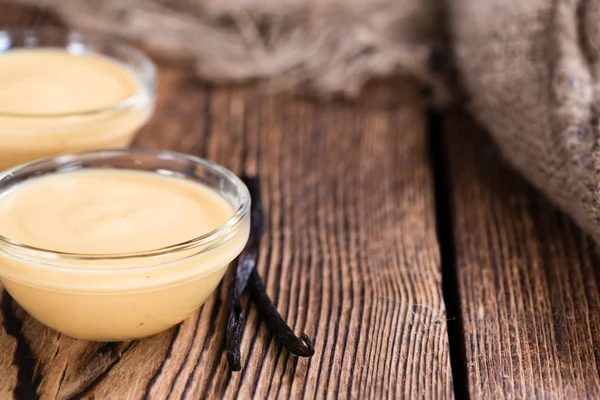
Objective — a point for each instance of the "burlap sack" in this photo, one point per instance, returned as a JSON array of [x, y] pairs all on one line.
[[531, 70], [529, 67], [327, 46]]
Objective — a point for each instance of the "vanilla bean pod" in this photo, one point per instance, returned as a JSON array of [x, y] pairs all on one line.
[[245, 264], [300, 346], [246, 274]]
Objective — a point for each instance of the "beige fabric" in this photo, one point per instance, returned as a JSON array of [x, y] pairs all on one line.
[[328, 46], [530, 67]]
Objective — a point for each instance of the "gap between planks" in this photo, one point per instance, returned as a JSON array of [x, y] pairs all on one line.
[[445, 236]]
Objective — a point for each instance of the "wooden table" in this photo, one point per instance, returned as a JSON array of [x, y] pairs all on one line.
[[396, 238]]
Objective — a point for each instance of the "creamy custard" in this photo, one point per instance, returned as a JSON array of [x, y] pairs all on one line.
[[111, 212], [53, 101], [108, 212]]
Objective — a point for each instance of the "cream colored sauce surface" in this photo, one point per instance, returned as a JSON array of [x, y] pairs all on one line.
[[109, 211], [50, 81]]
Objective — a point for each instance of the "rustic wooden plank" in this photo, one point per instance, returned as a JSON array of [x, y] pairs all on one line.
[[527, 280], [17, 15], [350, 257]]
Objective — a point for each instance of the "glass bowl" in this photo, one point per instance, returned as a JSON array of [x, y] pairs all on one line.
[[29, 136], [112, 297]]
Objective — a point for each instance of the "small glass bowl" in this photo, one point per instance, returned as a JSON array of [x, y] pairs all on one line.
[[116, 297], [25, 137]]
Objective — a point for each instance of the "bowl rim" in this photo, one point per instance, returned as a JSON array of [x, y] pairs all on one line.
[[146, 76], [207, 240]]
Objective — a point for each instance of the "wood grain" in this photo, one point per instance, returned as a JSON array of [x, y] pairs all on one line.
[[528, 281], [350, 257]]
